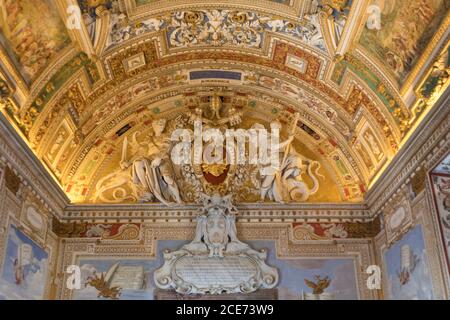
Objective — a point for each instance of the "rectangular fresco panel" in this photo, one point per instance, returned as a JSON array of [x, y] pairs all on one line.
[[285, 2], [297, 276], [111, 278], [391, 43], [32, 33], [407, 268], [105, 278], [215, 74], [144, 2], [441, 194], [24, 268]]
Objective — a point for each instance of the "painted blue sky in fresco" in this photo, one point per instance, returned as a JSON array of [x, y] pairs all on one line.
[[419, 286], [292, 273], [34, 274]]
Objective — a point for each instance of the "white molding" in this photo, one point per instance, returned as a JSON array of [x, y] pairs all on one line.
[[252, 212], [19, 157], [430, 140]]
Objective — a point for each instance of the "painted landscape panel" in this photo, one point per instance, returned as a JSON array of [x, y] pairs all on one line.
[[404, 31], [32, 33]]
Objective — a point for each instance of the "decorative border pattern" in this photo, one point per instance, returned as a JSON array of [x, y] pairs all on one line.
[[359, 250]]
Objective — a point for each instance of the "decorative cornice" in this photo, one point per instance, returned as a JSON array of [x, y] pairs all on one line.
[[430, 140], [254, 212], [15, 152], [291, 11]]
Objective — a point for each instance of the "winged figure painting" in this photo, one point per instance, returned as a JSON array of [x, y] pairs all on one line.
[[104, 290], [320, 285]]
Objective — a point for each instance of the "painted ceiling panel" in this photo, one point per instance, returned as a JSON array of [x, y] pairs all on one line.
[[341, 76]]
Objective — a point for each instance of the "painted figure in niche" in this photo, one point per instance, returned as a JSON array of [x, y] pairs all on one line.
[[93, 10], [336, 11], [362, 152], [5, 91], [373, 145], [444, 189], [152, 170], [57, 145]]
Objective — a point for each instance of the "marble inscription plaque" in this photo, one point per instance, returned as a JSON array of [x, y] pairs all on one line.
[[204, 271]]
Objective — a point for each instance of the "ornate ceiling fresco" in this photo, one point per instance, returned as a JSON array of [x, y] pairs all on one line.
[[89, 96]]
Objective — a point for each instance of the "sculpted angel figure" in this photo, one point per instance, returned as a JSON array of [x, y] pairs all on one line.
[[151, 168]]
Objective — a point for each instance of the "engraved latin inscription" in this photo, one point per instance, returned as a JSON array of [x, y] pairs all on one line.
[[204, 271]]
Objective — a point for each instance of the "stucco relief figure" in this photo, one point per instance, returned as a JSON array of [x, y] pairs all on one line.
[[284, 183], [293, 169], [373, 145], [271, 184], [151, 169], [215, 262]]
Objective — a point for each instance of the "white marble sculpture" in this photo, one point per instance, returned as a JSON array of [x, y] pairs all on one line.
[[215, 262], [284, 183], [152, 169]]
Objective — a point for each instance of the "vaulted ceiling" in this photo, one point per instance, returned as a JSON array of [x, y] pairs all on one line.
[[361, 74]]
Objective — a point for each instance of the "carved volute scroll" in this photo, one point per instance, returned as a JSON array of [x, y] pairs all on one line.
[[216, 262]]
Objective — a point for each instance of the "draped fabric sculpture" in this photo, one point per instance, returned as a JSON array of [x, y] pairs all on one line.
[[148, 173], [152, 169], [146, 168], [284, 183]]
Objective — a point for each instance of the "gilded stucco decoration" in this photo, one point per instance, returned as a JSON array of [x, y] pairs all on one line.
[[135, 63], [218, 28]]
